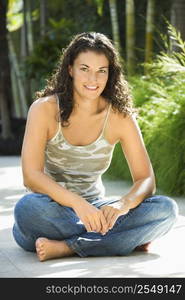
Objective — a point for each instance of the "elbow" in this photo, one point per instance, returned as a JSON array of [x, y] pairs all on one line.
[[149, 185], [153, 190], [32, 180], [153, 185], [28, 180]]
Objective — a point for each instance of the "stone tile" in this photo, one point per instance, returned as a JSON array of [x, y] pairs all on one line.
[[165, 259], [7, 268]]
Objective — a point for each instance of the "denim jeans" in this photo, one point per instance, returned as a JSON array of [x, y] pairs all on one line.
[[37, 215]]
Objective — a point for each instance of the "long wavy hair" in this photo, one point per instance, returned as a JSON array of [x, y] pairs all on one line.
[[116, 90]]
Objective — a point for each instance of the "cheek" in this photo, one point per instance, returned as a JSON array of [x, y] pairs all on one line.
[[103, 77], [104, 80], [79, 76]]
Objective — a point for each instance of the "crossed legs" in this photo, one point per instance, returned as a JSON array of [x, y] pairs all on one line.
[[54, 231]]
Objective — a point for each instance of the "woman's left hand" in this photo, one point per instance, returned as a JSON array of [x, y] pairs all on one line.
[[113, 211]]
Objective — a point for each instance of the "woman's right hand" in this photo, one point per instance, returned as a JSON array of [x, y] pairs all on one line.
[[92, 217]]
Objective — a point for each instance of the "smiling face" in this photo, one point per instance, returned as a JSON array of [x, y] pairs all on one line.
[[90, 72]]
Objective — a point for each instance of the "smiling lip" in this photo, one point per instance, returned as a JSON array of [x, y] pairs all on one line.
[[91, 88]]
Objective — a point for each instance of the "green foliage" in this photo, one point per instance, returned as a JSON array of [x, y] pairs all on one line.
[[99, 4], [14, 15], [42, 61], [119, 167], [162, 120], [141, 90], [64, 21], [160, 98]]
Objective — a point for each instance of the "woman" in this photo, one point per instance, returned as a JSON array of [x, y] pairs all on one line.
[[72, 129]]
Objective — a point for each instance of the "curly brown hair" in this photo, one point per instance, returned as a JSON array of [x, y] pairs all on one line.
[[116, 90]]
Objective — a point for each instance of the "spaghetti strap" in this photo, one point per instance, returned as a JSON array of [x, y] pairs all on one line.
[[59, 119], [57, 100], [106, 118]]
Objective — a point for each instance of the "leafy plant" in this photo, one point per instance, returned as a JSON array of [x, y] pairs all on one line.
[[160, 97], [42, 61]]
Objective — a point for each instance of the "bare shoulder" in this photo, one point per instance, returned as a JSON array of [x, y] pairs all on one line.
[[121, 119], [44, 103], [123, 125], [45, 107]]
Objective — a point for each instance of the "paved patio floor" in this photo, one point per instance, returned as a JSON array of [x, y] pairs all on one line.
[[165, 259]]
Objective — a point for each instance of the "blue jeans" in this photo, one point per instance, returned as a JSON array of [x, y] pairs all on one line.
[[37, 215]]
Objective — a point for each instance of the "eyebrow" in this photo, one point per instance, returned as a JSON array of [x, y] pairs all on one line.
[[89, 67]]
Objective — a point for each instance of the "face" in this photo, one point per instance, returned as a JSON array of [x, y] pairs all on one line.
[[90, 74]]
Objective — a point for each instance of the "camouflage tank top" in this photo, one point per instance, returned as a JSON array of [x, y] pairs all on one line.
[[79, 168]]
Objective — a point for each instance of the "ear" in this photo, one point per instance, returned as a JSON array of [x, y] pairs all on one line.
[[70, 70]]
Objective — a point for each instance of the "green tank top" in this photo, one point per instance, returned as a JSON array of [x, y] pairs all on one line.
[[79, 168]]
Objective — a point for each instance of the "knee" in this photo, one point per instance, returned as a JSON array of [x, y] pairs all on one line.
[[23, 205], [25, 241], [20, 207], [167, 207], [27, 206]]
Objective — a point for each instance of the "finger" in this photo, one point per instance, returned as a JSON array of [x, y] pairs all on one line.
[[100, 221], [88, 226], [112, 221], [97, 224], [110, 215], [104, 224], [105, 211], [92, 223]]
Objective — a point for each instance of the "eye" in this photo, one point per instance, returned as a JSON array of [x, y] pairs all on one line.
[[102, 71], [84, 69]]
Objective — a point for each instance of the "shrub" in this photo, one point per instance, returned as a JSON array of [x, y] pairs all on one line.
[[160, 98]]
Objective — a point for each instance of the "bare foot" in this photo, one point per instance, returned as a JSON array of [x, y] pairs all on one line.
[[49, 249], [144, 247]]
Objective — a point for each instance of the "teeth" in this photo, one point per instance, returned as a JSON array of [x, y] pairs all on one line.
[[91, 87]]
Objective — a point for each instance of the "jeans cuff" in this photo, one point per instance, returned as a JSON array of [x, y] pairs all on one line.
[[72, 243]]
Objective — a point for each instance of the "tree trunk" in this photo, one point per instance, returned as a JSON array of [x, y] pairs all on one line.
[[27, 4], [43, 9], [149, 30], [115, 24], [130, 37], [27, 46], [15, 91], [5, 78], [15, 66], [177, 16], [24, 41]]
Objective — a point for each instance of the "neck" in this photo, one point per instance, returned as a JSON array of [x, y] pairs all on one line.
[[89, 106]]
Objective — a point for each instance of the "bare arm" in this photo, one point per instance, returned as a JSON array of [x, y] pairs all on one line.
[[140, 167], [138, 162], [35, 139]]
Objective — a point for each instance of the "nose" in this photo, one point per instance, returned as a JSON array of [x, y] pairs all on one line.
[[92, 77]]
